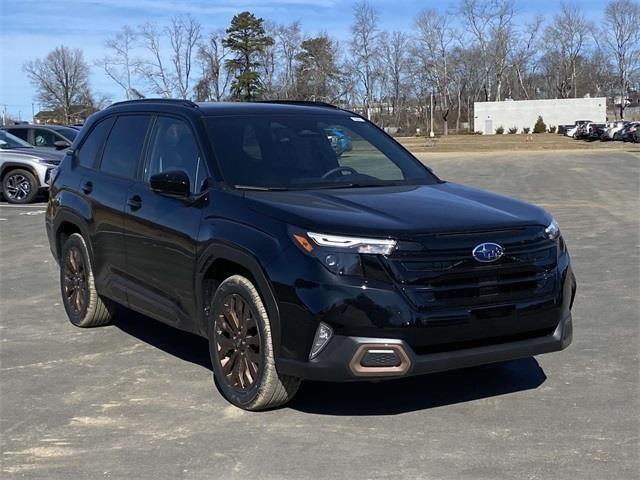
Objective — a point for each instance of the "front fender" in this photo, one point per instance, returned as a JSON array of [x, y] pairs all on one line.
[[247, 246]]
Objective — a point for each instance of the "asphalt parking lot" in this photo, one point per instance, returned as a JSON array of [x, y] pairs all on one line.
[[136, 400]]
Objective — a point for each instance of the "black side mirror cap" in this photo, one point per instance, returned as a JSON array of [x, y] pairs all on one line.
[[174, 182]]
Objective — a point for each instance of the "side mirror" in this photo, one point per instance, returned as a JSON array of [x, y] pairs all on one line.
[[174, 182], [61, 145]]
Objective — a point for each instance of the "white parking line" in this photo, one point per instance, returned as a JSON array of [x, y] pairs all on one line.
[[10, 205]]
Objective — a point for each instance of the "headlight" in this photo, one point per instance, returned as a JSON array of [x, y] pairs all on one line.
[[553, 230], [361, 245], [340, 254]]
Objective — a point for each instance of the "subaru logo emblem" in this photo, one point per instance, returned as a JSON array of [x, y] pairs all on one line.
[[487, 252]]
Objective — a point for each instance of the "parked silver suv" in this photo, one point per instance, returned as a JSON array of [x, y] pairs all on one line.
[[24, 169]]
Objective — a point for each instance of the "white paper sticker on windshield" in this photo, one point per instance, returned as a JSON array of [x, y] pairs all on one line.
[[357, 119]]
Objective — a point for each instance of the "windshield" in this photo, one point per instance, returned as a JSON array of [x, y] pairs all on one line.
[[69, 133], [310, 151], [10, 141]]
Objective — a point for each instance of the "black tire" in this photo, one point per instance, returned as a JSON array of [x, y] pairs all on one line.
[[84, 307], [267, 388], [20, 186]]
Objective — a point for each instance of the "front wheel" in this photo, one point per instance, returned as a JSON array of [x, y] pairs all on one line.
[[19, 186], [241, 349]]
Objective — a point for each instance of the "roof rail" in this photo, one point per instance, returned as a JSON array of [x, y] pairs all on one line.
[[175, 101], [301, 102]]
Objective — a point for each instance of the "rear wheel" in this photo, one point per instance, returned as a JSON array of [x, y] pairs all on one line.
[[241, 349], [85, 308], [19, 186]]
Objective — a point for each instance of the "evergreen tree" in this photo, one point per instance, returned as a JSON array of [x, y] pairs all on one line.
[[246, 38], [317, 70], [540, 126]]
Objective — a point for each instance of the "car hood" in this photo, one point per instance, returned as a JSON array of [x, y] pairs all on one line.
[[32, 154], [397, 211]]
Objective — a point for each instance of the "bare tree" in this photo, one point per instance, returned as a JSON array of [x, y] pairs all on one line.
[[434, 39], [154, 69], [61, 79], [395, 49], [184, 35], [121, 65], [364, 33], [216, 78], [267, 57], [568, 33], [491, 26], [523, 58], [289, 39], [621, 34]]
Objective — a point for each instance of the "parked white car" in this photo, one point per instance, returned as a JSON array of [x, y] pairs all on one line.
[[612, 129], [24, 169]]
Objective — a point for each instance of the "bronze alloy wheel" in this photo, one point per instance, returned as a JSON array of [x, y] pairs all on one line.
[[75, 281], [237, 341]]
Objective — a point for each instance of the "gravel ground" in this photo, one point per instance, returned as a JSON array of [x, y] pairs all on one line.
[[135, 400]]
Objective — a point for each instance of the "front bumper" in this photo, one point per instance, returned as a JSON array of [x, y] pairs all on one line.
[[336, 362]]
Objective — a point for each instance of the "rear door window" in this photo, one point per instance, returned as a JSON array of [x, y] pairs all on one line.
[[88, 152], [124, 145], [22, 133]]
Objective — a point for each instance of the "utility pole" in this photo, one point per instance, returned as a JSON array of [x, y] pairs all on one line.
[[33, 113], [431, 134], [4, 115]]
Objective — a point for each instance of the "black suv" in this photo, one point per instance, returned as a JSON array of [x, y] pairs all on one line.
[[241, 223]]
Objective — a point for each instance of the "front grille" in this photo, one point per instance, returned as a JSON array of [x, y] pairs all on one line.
[[444, 273]]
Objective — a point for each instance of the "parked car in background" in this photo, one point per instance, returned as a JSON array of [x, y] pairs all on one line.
[[596, 130], [612, 129], [24, 169], [627, 134], [45, 136], [339, 140], [573, 131]]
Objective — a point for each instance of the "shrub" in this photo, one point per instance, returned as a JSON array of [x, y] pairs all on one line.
[[526, 130], [500, 130], [552, 129], [513, 130], [540, 126]]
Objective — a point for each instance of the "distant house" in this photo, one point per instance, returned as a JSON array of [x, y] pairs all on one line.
[[78, 114]]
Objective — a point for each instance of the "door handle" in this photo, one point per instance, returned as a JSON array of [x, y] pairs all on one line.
[[87, 187], [134, 202]]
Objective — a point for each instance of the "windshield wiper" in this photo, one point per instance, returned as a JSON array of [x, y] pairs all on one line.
[[260, 189], [353, 185]]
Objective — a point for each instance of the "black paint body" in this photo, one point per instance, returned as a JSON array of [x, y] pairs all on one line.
[[154, 254]]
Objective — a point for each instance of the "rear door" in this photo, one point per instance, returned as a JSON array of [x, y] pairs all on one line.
[[105, 189], [161, 231]]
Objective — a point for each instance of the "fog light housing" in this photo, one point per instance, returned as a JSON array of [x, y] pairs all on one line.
[[321, 339]]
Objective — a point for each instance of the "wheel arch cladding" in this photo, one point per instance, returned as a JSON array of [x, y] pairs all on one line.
[[219, 261]]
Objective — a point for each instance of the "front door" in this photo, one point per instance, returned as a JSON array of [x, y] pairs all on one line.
[[161, 231]]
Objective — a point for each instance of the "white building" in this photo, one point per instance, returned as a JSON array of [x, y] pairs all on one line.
[[489, 116]]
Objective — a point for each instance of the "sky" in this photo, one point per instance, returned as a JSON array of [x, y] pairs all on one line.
[[29, 29]]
